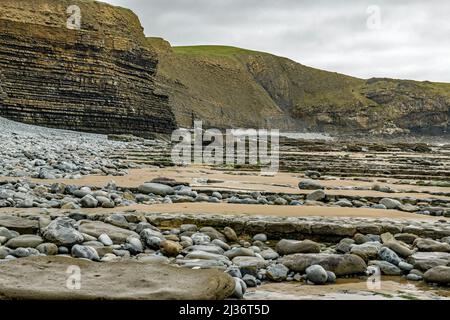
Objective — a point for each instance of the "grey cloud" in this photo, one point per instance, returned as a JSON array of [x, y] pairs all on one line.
[[326, 34]]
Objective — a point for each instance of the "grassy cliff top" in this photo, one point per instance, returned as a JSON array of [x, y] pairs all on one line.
[[213, 50]]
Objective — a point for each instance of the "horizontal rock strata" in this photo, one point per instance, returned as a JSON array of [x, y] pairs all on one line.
[[96, 79]]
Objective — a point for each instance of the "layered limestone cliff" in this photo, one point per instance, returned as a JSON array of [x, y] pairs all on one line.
[[99, 78]]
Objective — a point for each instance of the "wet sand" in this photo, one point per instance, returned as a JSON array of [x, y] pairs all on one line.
[[243, 181], [249, 209], [392, 288]]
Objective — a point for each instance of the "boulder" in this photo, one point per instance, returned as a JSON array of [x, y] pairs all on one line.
[[386, 268], [89, 201], [110, 281], [340, 264], [429, 245], [24, 241], [427, 260], [170, 248], [49, 249], [85, 252], [250, 265], [399, 248], [239, 252], [316, 195], [230, 234], [390, 256], [61, 232], [367, 251], [285, 247], [390, 203], [156, 188], [407, 238], [97, 228], [309, 184], [118, 220], [439, 275], [277, 272], [212, 233], [316, 274]]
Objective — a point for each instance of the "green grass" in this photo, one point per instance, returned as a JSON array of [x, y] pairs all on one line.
[[222, 51], [408, 296]]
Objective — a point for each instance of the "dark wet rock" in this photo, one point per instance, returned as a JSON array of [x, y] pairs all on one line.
[[390, 256]]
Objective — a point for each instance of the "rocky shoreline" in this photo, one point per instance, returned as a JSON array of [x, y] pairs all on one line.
[[251, 255], [50, 224]]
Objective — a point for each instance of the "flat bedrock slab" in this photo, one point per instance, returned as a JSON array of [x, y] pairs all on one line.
[[21, 225], [43, 278]]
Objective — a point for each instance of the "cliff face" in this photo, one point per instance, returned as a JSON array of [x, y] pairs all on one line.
[[235, 87], [97, 79], [108, 78], [216, 89]]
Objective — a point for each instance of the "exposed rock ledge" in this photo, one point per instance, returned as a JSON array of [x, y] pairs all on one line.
[[97, 79], [45, 278]]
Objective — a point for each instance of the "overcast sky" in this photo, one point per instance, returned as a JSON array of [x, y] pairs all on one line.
[[408, 39]]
